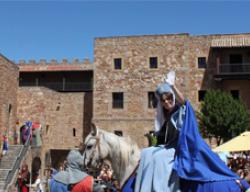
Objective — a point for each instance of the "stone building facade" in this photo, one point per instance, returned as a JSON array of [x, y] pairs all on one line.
[[8, 96], [60, 114], [59, 97], [128, 69]]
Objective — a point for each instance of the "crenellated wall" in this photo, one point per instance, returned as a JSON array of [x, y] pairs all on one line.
[[54, 65]]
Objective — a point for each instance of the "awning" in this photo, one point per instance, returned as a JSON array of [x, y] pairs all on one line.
[[230, 42], [239, 143]]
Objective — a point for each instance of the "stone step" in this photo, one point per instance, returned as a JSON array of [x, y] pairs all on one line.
[[9, 157], [7, 164], [14, 150], [3, 174], [2, 184], [2, 188]]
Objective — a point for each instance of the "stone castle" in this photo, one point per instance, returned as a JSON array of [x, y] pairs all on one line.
[[116, 90]]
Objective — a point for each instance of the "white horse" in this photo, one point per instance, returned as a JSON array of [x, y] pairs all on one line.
[[122, 152]]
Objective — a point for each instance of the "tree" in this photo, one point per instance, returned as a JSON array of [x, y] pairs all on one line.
[[222, 116]]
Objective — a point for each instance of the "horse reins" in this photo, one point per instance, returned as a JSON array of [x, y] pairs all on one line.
[[97, 145]]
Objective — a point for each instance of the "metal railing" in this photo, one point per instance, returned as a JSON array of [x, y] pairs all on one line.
[[60, 86], [12, 173], [233, 69]]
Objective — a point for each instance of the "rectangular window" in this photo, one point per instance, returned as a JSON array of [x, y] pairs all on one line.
[[235, 59], [202, 63], [117, 63], [235, 94], [117, 100], [201, 95], [153, 62], [152, 101]]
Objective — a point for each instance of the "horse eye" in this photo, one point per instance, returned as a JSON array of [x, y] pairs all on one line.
[[89, 147]]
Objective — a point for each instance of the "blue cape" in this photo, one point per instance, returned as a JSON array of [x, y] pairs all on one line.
[[194, 158], [129, 184]]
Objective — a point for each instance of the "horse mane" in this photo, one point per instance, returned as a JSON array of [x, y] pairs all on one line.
[[127, 146], [127, 151]]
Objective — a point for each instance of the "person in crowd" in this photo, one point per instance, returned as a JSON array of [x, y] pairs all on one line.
[[181, 160], [37, 186], [36, 134], [105, 173], [25, 133], [247, 175], [1, 146], [15, 137], [55, 186], [5, 144], [73, 177], [23, 178]]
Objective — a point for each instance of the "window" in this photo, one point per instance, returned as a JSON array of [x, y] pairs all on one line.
[[153, 62], [201, 95], [152, 101], [235, 59], [74, 132], [117, 63], [202, 63], [235, 94], [57, 108], [47, 129], [119, 133], [10, 107], [117, 100]]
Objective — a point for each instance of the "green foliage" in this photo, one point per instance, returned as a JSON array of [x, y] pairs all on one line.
[[152, 139], [223, 116]]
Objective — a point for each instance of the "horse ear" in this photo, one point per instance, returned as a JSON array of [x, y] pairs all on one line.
[[93, 129]]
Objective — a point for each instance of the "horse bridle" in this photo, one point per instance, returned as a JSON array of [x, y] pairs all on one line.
[[96, 148]]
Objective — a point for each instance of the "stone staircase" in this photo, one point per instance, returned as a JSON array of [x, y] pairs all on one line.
[[8, 164]]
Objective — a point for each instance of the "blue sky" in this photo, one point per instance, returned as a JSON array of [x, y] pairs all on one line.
[[66, 29]]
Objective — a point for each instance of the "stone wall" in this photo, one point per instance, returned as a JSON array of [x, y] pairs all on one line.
[[8, 96], [60, 114], [135, 79]]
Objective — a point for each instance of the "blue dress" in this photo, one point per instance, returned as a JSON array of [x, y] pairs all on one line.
[[186, 163], [155, 172], [200, 169]]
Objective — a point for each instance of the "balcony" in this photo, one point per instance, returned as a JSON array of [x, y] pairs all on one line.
[[60, 86], [233, 71]]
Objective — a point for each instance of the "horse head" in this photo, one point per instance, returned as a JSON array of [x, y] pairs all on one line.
[[122, 152], [95, 149]]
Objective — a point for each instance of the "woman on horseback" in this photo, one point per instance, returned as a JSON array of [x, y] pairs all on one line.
[[181, 160]]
